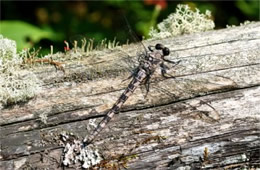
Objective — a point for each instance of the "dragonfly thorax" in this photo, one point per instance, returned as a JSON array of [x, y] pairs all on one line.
[[151, 61]]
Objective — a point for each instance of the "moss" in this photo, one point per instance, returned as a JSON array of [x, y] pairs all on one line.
[[16, 85], [183, 21]]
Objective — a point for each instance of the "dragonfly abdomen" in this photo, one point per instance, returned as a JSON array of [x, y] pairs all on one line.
[[140, 76]]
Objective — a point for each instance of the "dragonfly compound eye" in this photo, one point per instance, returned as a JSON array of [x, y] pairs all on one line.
[[158, 46], [166, 51]]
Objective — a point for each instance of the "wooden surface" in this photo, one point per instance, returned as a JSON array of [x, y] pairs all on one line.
[[205, 118]]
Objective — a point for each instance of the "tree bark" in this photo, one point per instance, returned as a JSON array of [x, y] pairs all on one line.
[[205, 118]]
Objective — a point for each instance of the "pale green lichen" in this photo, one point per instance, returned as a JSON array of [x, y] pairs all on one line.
[[183, 21], [16, 84], [43, 118], [75, 152], [241, 24], [7, 48]]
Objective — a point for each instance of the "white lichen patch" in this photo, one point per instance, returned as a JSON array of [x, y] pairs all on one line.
[[7, 48], [168, 119], [199, 150], [183, 21], [43, 117], [24, 128], [241, 24], [152, 126], [76, 152], [234, 159], [16, 84], [19, 163]]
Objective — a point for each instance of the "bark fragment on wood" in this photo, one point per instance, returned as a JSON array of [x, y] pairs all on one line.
[[164, 130]]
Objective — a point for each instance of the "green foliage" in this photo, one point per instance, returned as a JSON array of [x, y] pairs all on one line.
[[25, 34], [250, 8]]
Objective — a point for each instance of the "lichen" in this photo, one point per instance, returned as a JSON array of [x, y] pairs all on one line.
[[16, 84], [43, 118], [76, 152], [183, 21], [241, 24]]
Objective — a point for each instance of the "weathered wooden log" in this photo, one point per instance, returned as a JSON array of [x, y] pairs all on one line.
[[205, 118]]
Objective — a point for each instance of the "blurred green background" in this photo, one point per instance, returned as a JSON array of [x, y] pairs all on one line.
[[45, 23]]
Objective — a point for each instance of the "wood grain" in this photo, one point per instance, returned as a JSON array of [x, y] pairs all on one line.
[[205, 118]]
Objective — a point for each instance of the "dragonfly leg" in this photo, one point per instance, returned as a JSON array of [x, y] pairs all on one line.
[[133, 74], [172, 62], [147, 84], [163, 71], [150, 47]]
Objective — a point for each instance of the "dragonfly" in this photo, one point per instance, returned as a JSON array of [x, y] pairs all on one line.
[[149, 61]]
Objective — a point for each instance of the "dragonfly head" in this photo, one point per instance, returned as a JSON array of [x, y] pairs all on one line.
[[165, 50]]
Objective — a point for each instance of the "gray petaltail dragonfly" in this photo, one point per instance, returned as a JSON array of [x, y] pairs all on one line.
[[151, 59]]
